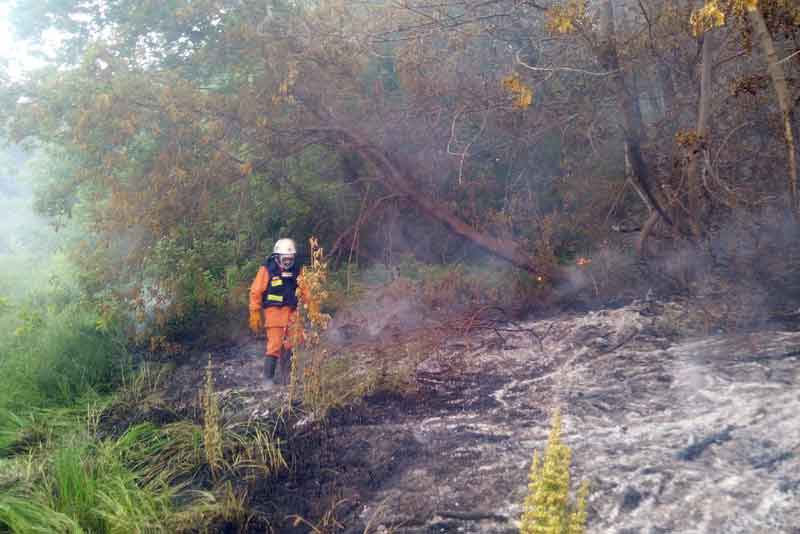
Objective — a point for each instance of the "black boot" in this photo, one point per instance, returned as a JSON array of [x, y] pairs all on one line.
[[269, 368]]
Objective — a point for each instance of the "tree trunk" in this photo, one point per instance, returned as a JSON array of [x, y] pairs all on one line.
[[775, 69], [399, 181], [633, 128], [644, 235], [667, 89], [694, 170]]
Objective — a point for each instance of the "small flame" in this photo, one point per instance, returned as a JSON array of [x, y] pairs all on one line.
[[583, 261], [540, 278]]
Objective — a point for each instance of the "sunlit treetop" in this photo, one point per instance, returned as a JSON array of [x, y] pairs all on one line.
[[715, 13], [708, 17], [522, 94], [156, 30], [562, 19]]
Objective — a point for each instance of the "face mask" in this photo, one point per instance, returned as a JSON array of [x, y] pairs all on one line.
[[286, 260]]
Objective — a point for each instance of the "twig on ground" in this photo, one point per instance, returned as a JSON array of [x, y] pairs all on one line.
[[473, 516]]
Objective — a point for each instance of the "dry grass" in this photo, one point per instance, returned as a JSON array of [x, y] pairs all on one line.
[[212, 426]]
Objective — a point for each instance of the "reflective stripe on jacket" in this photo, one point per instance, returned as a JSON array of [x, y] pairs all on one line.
[[274, 286]]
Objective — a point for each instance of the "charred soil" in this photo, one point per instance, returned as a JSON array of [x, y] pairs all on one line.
[[697, 435]]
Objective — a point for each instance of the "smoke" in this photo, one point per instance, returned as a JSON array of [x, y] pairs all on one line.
[[381, 314], [744, 274], [28, 244]]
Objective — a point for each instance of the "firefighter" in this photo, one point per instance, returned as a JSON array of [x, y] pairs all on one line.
[[273, 304]]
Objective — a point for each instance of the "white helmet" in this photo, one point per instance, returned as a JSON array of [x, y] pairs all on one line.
[[285, 250], [284, 246]]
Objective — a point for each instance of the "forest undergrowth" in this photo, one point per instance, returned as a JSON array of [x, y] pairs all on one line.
[[73, 458], [67, 373]]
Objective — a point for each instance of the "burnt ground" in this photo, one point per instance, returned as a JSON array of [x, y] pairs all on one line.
[[698, 436]]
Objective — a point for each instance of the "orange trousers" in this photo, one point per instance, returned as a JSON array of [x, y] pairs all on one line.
[[278, 321]]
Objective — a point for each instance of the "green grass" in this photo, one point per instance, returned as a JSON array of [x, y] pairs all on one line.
[[150, 479], [86, 485], [20, 514], [52, 357], [142, 482], [76, 482], [63, 370], [57, 369], [63, 366], [71, 485]]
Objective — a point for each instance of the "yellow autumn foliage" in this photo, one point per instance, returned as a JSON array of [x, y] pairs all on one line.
[[769, 7], [311, 288], [561, 19], [312, 294], [714, 13], [523, 95], [707, 18]]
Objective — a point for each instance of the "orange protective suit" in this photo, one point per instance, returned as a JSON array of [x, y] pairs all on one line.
[[279, 321]]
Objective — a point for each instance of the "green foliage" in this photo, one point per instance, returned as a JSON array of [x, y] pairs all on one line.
[[21, 515], [192, 276], [547, 508], [62, 352], [186, 154], [53, 355]]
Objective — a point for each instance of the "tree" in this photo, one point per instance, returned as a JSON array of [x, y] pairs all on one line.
[[525, 129], [168, 87], [785, 104], [702, 26]]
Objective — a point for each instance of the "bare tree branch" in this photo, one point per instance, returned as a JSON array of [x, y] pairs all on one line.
[[519, 61]]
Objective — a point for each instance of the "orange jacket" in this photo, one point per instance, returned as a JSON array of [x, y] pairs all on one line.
[[257, 288], [260, 284]]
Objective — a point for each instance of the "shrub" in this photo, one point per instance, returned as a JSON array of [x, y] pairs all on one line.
[[547, 508]]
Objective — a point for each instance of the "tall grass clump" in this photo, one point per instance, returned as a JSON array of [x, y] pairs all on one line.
[[54, 363], [20, 514], [547, 508], [84, 485], [51, 357], [137, 483]]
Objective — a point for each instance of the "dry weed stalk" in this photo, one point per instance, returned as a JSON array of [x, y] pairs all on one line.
[[256, 452], [327, 524], [212, 426], [312, 295]]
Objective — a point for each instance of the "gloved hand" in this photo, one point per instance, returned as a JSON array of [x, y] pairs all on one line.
[[256, 324]]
